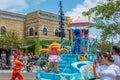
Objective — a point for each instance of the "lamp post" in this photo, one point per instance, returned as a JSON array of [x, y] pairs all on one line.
[[61, 23]]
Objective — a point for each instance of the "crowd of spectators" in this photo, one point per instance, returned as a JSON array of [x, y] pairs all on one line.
[[31, 61]]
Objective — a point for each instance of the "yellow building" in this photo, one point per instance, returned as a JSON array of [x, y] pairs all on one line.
[[39, 24]]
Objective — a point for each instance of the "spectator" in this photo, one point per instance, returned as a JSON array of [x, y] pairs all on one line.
[[116, 57], [29, 64], [11, 59], [107, 70], [25, 59], [0, 63], [20, 57], [108, 52], [4, 66], [4, 56], [119, 51]]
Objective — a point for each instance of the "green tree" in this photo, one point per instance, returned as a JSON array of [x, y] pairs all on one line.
[[38, 45], [106, 18], [104, 45], [11, 39]]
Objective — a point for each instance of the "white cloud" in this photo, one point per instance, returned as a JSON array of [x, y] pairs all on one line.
[[18, 5], [13, 5], [85, 6]]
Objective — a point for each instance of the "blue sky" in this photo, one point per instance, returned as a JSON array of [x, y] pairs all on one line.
[[71, 8]]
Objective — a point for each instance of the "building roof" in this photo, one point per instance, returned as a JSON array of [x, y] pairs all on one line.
[[11, 15], [79, 22]]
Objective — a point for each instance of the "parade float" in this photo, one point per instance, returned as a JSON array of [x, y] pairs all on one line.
[[76, 59]]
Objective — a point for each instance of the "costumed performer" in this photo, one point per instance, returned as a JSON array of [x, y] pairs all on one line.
[[17, 68], [54, 50], [77, 41]]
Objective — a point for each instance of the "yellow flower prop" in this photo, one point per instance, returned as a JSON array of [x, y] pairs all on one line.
[[89, 17], [83, 58], [69, 19]]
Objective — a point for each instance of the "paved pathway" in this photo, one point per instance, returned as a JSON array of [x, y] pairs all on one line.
[[6, 74]]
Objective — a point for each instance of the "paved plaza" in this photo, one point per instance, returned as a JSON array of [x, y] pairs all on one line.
[[6, 74]]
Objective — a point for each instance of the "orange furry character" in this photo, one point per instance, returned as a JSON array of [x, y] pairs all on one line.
[[54, 50]]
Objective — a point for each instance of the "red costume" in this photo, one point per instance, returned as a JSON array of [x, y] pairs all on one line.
[[17, 68]]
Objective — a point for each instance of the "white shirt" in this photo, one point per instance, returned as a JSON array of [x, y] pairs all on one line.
[[3, 55], [108, 72], [11, 58], [116, 60]]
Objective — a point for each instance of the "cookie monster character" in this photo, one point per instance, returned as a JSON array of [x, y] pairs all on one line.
[[77, 41], [54, 50]]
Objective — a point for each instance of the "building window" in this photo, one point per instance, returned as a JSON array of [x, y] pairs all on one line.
[[36, 33], [44, 31], [3, 29], [31, 32], [57, 33]]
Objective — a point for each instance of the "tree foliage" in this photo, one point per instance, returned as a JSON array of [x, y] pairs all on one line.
[[38, 44], [106, 18], [11, 39], [104, 45]]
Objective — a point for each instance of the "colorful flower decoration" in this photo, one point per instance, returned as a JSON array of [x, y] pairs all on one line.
[[83, 58]]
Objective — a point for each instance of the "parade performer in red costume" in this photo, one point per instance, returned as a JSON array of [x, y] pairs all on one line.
[[17, 68]]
